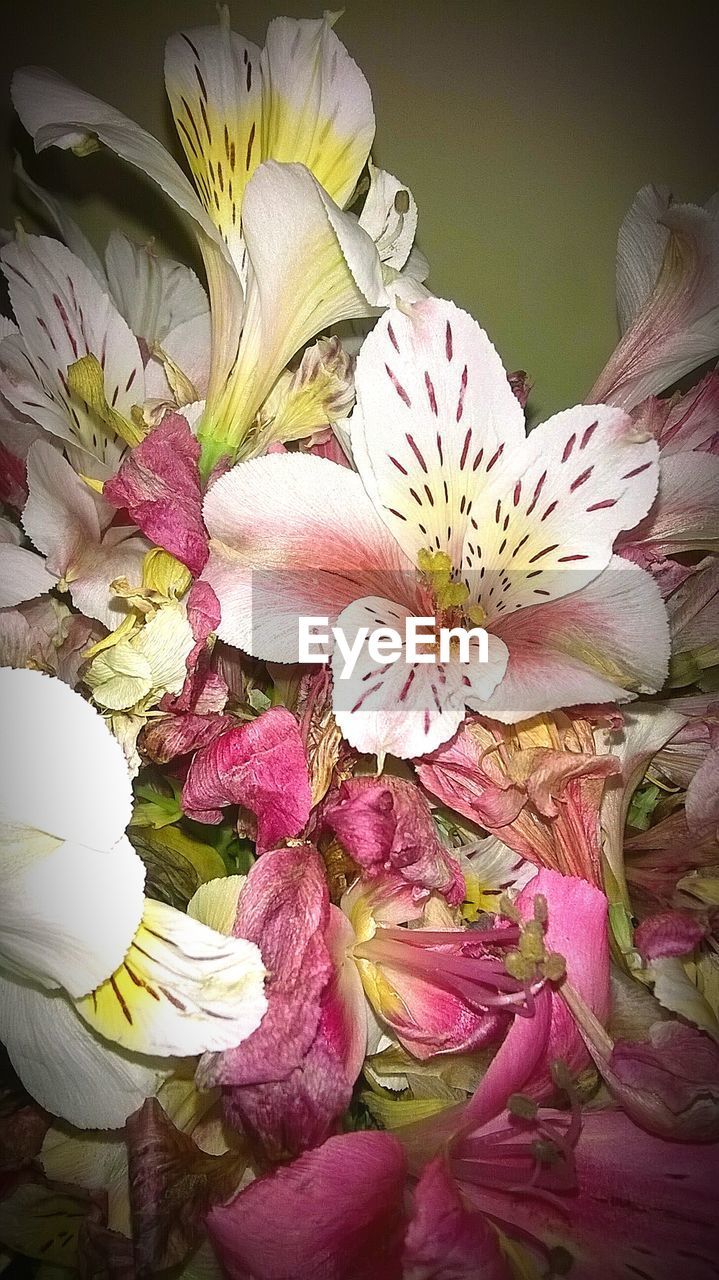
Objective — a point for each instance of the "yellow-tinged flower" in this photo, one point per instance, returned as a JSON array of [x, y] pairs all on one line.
[[78, 936]]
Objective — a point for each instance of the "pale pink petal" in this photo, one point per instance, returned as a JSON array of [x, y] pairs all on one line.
[[386, 822], [120, 555], [607, 643], [64, 314], [432, 398], [687, 423], [61, 515], [684, 516], [457, 774], [260, 765], [23, 575], [311, 555], [702, 801], [159, 484], [669, 1082], [335, 1213], [668, 285]]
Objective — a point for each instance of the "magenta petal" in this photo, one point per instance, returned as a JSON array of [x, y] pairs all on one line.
[[261, 766], [289, 1082], [159, 484], [386, 823], [669, 933], [445, 1241], [334, 1214]]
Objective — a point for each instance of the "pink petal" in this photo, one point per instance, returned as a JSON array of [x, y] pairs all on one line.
[[687, 423], [385, 822], [292, 1078], [13, 480], [670, 933], [457, 774], [321, 548], [669, 1083], [702, 801], [585, 647], [334, 1214], [260, 765], [684, 515], [444, 1240], [159, 484]]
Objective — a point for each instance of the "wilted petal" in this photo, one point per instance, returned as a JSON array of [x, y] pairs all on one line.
[[670, 933], [340, 1205], [159, 484], [386, 822], [261, 766]]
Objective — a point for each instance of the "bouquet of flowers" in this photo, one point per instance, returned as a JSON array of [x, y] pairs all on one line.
[[360, 783]]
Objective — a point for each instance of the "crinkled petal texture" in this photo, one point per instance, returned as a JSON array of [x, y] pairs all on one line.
[[261, 766], [311, 555], [291, 1080], [386, 822], [64, 314], [69, 1070], [73, 885], [445, 1241], [334, 1214], [159, 484]]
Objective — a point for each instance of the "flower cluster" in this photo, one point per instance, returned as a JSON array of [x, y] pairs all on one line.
[[410, 975]]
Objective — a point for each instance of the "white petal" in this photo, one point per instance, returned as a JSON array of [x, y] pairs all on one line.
[[212, 78], [61, 515], [435, 416], [64, 314], [182, 989], [68, 230], [389, 216], [316, 104], [68, 913], [154, 294], [64, 1066], [62, 771], [23, 575]]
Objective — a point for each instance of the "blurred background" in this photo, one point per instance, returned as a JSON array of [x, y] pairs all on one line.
[[523, 129]]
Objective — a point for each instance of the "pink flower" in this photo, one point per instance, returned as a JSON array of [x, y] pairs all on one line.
[[456, 515], [290, 1081]]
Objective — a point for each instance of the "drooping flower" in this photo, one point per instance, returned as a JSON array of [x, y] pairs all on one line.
[[537, 785], [292, 1080], [459, 517], [283, 260], [667, 296], [85, 957], [261, 766], [385, 824]]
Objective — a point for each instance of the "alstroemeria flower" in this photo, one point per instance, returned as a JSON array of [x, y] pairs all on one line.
[[293, 1077], [684, 516], [385, 824], [455, 514], [586, 1193], [283, 260], [85, 958], [63, 315], [82, 550], [537, 785], [667, 296]]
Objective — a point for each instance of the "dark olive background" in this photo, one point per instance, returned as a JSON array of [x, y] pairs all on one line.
[[522, 128]]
